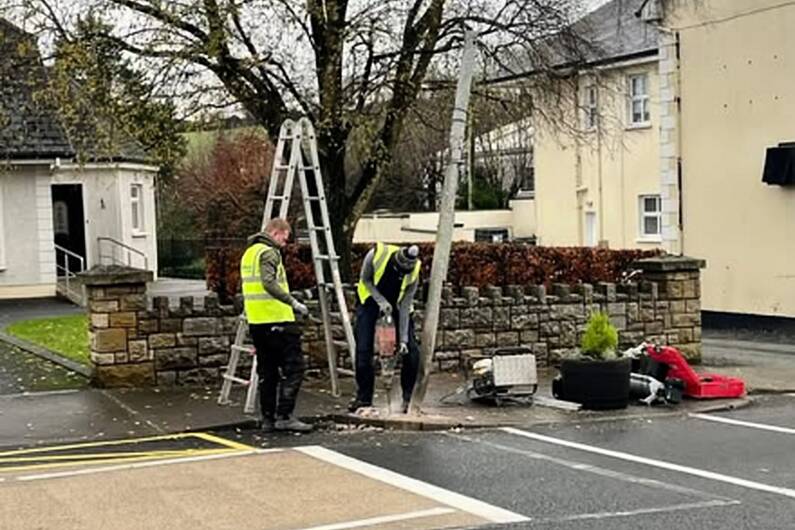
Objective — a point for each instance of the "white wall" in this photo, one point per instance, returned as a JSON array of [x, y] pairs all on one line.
[[29, 256], [106, 200]]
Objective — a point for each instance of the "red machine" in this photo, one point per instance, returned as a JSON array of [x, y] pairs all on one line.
[[700, 386]]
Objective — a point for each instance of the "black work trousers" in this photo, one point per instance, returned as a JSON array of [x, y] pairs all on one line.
[[280, 366], [366, 317]]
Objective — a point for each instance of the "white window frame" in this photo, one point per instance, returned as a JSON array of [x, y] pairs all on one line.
[[137, 209], [590, 107], [640, 98], [644, 214]]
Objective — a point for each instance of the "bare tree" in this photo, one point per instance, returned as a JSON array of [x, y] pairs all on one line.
[[355, 67]]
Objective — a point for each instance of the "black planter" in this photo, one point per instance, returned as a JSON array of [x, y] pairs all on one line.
[[597, 385]]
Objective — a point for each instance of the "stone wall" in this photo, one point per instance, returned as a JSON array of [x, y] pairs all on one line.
[[137, 343]]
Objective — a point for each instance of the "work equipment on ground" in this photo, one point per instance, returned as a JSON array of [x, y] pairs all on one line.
[[699, 386], [507, 374], [385, 345], [296, 155]]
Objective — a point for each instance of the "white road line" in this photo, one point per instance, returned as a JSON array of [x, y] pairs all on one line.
[[461, 502], [710, 475], [739, 423], [642, 511], [137, 465], [599, 471], [384, 519]]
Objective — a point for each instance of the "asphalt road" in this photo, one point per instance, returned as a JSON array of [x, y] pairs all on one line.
[[673, 472]]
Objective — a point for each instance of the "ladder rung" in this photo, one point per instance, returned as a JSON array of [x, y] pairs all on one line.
[[247, 349], [327, 257], [282, 166], [277, 197], [314, 198], [319, 228], [236, 379], [342, 344]]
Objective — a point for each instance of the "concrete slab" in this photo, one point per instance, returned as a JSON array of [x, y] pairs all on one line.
[[278, 490]]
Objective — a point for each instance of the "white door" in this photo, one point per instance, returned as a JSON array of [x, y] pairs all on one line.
[[590, 229]]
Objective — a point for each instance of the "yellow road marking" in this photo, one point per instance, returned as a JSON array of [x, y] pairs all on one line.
[[144, 456], [223, 441], [93, 456], [105, 443]]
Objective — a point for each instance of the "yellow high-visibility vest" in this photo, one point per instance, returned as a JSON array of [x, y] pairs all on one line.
[[380, 260], [260, 306]]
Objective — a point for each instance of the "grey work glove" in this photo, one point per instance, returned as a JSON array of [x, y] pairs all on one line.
[[385, 307], [300, 308], [404, 349]]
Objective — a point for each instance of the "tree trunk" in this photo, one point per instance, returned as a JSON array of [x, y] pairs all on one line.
[[444, 235]]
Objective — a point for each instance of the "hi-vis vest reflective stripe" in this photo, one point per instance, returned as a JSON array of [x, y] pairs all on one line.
[[261, 307], [380, 260]]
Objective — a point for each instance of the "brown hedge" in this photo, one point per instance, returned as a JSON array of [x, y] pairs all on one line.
[[471, 264]]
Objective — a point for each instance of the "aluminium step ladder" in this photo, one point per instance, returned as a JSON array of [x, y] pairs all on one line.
[[297, 141]]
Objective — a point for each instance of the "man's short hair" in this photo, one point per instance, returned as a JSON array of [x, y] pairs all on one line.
[[277, 224]]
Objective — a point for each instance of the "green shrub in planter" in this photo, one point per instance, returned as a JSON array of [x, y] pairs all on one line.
[[601, 337], [597, 379]]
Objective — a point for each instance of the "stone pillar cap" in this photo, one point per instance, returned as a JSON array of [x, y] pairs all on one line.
[[114, 275], [670, 264]]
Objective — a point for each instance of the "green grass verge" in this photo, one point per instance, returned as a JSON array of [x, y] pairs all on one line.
[[66, 335]]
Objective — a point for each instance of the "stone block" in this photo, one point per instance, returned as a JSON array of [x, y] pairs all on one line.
[[171, 358], [138, 351], [507, 339], [162, 340], [476, 318], [212, 304], [109, 340], [528, 337], [617, 309], [608, 290], [516, 292], [200, 326], [170, 325], [148, 326], [459, 339], [697, 334], [654, 328], [561, 290], [121, 357], [125, 375], [161, 305], [493, 292], [449, 318], [485, 340], [133, 302], [678, 306], [539, 292], [126, 319], [693, 306], [211, 345], [471, 295], [102, 358], [103, 306], [619, 322], [228, 325], [217, 359], [523, 322], [502, 318], [549, 329], [198, 377], [687, 320], [182, 340], [186, 304], [691, 289], [100, 320]]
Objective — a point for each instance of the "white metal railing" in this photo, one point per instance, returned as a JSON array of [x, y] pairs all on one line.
[[118, 252], [65, 269]]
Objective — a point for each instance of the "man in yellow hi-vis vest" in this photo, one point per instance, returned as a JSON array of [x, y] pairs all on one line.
[[270, 311], [388, 282]]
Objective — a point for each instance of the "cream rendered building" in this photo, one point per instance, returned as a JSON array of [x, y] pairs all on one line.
[[716, 79]]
